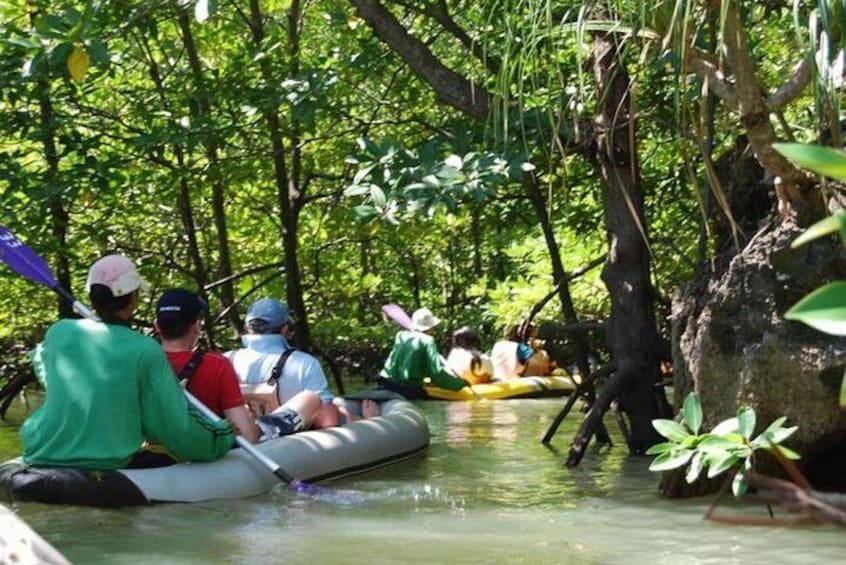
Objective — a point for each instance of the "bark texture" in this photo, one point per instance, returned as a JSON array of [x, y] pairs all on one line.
[[632, 332]]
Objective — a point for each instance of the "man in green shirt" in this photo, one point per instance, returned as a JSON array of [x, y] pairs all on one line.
[[415, 358], [110, 389]]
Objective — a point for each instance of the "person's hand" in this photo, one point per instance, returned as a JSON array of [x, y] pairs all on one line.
[[467, 383], [259, 406]]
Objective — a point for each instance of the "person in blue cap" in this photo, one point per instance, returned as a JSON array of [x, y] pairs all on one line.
[[266, 348]]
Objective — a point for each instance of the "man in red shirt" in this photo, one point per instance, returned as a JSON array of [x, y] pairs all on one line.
[[211, 377]]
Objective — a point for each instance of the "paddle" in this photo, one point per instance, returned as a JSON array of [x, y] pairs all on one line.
[[397, 314], [28, 264]]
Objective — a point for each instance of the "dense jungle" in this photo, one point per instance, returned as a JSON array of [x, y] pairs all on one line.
[[604, 168]]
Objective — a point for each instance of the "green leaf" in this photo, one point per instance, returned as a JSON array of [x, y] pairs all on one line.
[[60, 53], [670, 429], [721, 464], [692, 412], [671, 460], [726, 427], [720, 442], [660, 448], [454, 161], [27, 42], [365, 212], [739, 486], [746, 422], [98, 51], [822, 160], [378, 196], [824, 309], [362, 173], [777, 436], [822, 228], [357, 190], [695, 469]]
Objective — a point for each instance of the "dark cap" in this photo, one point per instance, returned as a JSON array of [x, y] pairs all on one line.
[[179, 306]]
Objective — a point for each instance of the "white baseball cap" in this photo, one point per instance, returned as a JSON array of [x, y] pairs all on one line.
[[116, 272]]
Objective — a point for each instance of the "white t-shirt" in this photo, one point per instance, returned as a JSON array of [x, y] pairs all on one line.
[[460, 360], [254, 365], [505, 362]]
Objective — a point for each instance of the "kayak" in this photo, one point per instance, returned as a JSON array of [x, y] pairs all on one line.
[[400, 432], [523, 387]]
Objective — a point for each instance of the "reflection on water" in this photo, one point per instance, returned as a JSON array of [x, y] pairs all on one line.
[[487, 491]]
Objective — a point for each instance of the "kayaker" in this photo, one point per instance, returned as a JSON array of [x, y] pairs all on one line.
[[268, 326], [513, 358], [414, 359], [210, 375], [108, 389], [511, 354], [465, 358]]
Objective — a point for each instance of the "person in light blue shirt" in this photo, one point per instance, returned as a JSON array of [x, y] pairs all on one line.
[[268, 325]]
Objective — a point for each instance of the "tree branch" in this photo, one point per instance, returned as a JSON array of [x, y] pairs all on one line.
[[717, 81], [792, 87], [450, 87]]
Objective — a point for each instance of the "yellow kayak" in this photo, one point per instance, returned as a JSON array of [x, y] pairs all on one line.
[[524, 387]]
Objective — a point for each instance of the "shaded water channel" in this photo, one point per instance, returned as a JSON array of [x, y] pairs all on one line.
[[486, 492]]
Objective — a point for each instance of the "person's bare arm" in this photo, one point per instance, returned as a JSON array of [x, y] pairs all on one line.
[[243, 423]]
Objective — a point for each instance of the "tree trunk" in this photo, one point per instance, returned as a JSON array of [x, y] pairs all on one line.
[[218, 186], [632, 331], [287, 185], [58, 215], [559, 275]]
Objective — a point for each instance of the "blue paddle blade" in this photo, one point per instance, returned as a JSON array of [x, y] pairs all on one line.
[[342, 497], [23, 260]]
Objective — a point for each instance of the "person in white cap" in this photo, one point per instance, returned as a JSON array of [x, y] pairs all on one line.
[[109, 389], [415, 359]]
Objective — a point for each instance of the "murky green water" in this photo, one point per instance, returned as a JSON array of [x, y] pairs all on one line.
[[487, 492]]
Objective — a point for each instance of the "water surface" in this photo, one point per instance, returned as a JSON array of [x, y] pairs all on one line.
[[486, 492]]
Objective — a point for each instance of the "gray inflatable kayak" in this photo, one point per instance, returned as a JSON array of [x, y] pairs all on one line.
[[399, 433]]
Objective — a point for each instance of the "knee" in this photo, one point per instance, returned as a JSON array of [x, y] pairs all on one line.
[[327, 416]]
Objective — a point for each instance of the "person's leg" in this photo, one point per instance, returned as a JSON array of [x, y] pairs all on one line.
[[367, 408], [306, 403], [296, 415], [327, 416]]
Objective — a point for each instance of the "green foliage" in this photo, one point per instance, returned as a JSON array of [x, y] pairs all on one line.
[[728, 446], [395, 180], [825, 308]]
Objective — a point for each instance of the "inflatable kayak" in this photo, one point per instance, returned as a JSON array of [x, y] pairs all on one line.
[[524, 387], [399, 433]]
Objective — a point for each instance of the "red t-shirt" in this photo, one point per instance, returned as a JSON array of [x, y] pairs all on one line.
[[214, 382]]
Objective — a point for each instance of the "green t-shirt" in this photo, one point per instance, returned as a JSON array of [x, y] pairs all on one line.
[[108, 389], [414, 358]]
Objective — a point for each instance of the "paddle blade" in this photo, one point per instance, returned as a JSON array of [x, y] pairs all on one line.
[[23, 260], [397, 314], [342, 497]]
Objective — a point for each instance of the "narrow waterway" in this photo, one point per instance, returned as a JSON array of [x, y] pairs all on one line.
[[486, 492]]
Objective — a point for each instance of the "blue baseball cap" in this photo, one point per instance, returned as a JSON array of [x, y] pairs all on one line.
[[268, 315]]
